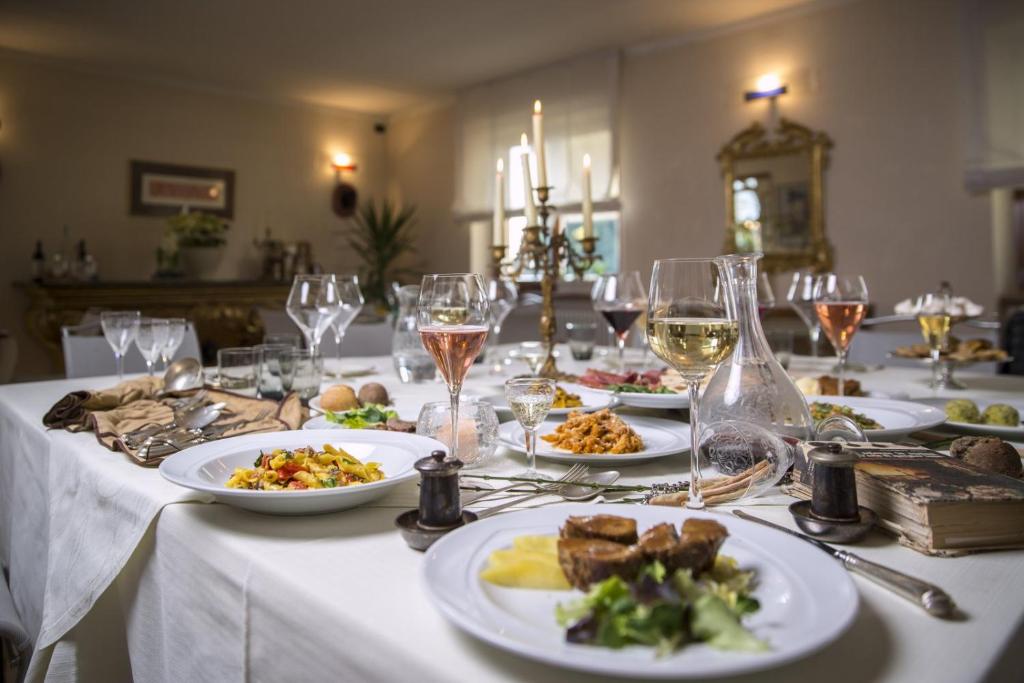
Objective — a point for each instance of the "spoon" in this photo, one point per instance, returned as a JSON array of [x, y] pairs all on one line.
[[186, 373]]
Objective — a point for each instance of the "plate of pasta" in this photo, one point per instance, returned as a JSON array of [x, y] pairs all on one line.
[[300, 472]]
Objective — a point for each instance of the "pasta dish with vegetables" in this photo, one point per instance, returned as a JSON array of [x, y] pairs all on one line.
[[304, 468]]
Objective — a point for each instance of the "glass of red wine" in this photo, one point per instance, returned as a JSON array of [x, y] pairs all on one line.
[[620, 298], [841, 302], [453, 317]]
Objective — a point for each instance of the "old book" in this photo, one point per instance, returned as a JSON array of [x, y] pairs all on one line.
[[933, 502]]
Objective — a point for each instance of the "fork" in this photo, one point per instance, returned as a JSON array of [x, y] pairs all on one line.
[[217, 431], [555, 488], [568, 477]]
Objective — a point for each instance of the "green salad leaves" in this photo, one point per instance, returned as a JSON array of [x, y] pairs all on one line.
[[638, 389], [666, 612], [359, 418]]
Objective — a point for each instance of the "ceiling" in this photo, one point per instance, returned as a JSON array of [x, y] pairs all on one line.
[[365, 55]]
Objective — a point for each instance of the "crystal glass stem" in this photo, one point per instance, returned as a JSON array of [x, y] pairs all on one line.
[[815, 334], [149, 367], [453, 395], [935, 368], [695, 500], [620, 340], [531, 451], [841, 355], [119, 359]]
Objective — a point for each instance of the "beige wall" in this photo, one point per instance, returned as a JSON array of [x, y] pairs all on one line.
[[66, 139], [421, 156], [881, 78]]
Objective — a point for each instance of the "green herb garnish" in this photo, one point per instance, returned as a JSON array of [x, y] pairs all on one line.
[[360, 418], [638, 389]]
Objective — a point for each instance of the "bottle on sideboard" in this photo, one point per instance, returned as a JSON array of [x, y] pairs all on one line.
[[38, 262]]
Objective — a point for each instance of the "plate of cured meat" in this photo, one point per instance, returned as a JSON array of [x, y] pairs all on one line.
[[647, 389]]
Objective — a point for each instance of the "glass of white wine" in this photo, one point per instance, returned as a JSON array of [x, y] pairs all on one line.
[[934, 316], [691, 325], [530, 400]]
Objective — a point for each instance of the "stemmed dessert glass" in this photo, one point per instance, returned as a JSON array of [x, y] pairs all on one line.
[[801, 299], [453, 317], [503, 295], [934, 314], [176, 328], [119, 328], [313, 303], [692, 326], [841, 302], [620, 298], [530, 400], [150, 338], [350, 298]]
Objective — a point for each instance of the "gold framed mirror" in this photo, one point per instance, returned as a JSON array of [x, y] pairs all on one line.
[[774, 195]]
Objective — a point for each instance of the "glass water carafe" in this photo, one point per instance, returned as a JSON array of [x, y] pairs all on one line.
[[412, 362], [751, 386]]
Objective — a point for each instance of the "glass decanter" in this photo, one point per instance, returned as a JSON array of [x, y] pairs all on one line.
[[751, 386], [412, 362]]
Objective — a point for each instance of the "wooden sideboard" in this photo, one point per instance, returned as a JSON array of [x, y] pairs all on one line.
[[224, 313]]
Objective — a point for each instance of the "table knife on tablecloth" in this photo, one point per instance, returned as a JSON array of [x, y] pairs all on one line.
[[925, 595]]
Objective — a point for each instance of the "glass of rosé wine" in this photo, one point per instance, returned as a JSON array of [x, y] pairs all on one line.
[[453, 317], [841, 302]]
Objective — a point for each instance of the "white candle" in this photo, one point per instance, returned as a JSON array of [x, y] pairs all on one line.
[[538, 144], [588, 204], [499, 203], [529, 208]]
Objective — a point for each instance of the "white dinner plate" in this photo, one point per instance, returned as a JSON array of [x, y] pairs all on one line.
[[807, 598], [661, 438], [592, 400], [1012, 433], [663, 401], [208, 466], [898, 418]]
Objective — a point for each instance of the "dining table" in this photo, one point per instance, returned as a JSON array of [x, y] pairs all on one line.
[[121, 575]]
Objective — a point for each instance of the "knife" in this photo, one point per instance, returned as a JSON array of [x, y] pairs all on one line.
[[925, 595]]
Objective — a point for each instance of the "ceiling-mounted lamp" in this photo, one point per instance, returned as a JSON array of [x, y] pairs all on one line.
[[344, 196], [768, 85]]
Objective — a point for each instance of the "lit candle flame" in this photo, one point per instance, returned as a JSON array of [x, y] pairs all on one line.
[[501, 165], [586, 161], [524, 141], [537, 107], [768, 82]]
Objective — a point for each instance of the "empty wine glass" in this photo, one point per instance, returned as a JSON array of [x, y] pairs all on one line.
[[350, 299], [530, 400], [503, 295], [151, 338], [765, 295], [119, 328], [453, 318], [801, 298], [176, 328], [841, 302], [620, 298], [312, 304]]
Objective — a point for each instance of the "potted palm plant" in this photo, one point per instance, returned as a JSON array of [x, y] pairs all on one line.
[[381, 234], [200, 238]]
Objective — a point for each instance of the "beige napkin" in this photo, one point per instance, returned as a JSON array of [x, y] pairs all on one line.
[[73, 410]]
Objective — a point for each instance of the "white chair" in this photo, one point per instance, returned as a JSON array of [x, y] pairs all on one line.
[[361, 339], [87, 353]]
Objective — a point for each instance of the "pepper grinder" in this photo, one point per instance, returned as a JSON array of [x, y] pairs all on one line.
[[440, 509], [833, 513]]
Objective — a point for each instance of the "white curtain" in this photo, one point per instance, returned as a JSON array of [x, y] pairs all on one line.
[[579, 98]]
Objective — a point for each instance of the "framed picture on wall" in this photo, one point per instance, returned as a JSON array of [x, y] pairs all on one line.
[[159, 189]]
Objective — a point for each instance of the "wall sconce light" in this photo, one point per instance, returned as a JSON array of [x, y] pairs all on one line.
[[768, 85], [344, 196]]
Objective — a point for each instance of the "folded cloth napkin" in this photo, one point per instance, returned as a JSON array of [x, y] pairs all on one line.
[[73, 410]]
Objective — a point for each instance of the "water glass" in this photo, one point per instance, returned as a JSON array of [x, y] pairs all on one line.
[[176, 329], [301, 372], [478, 428], [268, 369], [236, 370], [119, 328], [287, 338], [530, 400], [582, 337], [150, 338]]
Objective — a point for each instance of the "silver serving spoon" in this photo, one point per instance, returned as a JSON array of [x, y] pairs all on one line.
[[183, 374]]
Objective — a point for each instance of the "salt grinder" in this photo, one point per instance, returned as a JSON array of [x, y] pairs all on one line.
[[833, 513], [440, 508]]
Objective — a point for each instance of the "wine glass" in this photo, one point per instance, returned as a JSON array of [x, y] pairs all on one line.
[[151, 338], [765, 295], [312, 303], [176, 328], [530, 400], [350, 298], [119, 328], [692, 326], [453, 317], [620, 298], [841, 302], [503, 295], [934, 314], [801, 299]]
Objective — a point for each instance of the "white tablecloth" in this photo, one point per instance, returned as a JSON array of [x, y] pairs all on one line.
[[213, 593]]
